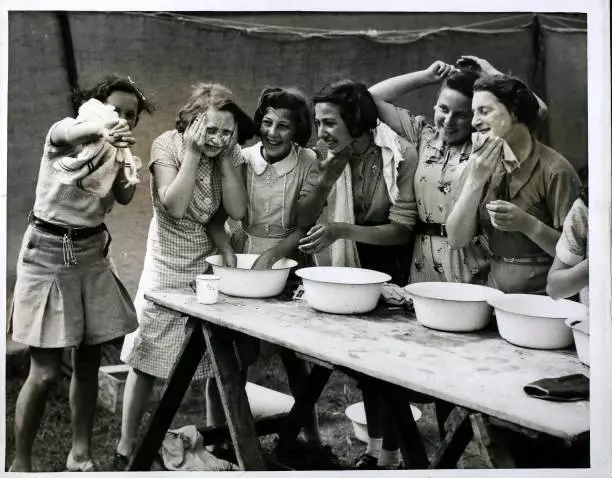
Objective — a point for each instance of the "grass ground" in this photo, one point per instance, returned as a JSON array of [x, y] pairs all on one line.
[[53, 442]]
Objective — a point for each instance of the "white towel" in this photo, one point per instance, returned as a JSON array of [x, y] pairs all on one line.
[[394, 150], [96, 165], [506, 157]]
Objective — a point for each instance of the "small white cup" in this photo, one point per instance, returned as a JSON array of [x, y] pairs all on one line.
[[207, 288]]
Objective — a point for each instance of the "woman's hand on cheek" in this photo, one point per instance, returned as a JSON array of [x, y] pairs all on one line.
[[319, 237], [506, 216], [193, 136], [485, 160]]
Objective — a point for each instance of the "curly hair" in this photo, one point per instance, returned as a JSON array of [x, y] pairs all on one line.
[[108, 85], [357, 107], [513, 94], [291, 99], [214, 95]]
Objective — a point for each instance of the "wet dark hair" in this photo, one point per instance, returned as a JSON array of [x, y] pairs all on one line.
[[513, 94], [461, 80], [357, 107], [213, 95], [291, 99], [108, 85]]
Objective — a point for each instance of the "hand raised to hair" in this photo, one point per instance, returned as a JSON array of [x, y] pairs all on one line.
[[439, 70], [484, 66]]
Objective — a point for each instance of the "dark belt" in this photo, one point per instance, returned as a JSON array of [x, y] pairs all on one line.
[[430, 229], [73, 233], [525, 260]]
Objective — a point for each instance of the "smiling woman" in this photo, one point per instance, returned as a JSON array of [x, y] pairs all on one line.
[[519, 205], [195, 185]]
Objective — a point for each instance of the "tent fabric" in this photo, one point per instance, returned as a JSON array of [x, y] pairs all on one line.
[[168, 53]]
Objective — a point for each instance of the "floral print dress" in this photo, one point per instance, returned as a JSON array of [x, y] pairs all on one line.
[[438, 180]]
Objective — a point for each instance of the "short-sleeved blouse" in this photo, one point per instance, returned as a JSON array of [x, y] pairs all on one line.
[[572, 247], [176, 253], [545, 186], [66, 204], [438, 179]]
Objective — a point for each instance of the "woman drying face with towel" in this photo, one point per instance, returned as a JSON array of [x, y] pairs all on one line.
[[518, 191]]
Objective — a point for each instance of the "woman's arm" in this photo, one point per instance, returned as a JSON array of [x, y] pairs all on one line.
[[216, 230], [462, 222], [506, 216], [566, 281], [122, 189], [232, 183], [388, 91], [321, 236], [285, 248], [318, 185]]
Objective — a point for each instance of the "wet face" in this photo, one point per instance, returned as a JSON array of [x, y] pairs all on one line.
[[491, 117], [126, 106], [453, 116], [331, 128], [219, 128], [277, 131]]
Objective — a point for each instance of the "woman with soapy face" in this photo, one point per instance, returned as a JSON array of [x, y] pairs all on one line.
[[519, 195], [195, 185]]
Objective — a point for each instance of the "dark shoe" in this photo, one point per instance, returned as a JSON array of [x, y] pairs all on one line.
[[226, 454], [120, 462], [366, 462]]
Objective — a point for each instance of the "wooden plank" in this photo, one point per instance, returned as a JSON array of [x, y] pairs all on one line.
[[263, 426], [492, 446], [233, 397], [410, 441], [304, 403], [487, 373], [443, 410], [457, 437], [184, 367]]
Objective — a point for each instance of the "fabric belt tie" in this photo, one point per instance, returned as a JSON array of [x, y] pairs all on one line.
[[267, 230], [430, 229], [69, 234]]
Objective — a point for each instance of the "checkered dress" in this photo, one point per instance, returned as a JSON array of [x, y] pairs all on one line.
[[176, 249]]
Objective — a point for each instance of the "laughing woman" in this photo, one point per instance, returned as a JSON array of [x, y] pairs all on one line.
[[194, 185], [275, 171], [519, 197], [372, 168]]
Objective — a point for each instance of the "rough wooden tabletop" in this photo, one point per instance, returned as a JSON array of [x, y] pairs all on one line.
[[479, 370]]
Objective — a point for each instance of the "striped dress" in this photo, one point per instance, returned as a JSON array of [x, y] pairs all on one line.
[[176, 252]]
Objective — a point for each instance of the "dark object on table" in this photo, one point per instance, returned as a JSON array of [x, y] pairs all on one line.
[[569, 388]]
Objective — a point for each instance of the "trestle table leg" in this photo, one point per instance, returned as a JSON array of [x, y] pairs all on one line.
[[180, 377], [233, 396]]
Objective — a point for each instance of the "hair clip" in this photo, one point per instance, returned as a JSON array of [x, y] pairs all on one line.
[[133, 83]]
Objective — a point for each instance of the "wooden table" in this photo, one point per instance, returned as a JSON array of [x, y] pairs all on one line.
[[480, 374]]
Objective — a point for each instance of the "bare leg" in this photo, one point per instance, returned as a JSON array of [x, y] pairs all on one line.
[[45, 371], [138, 389], [297, 374], [83, 398]]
